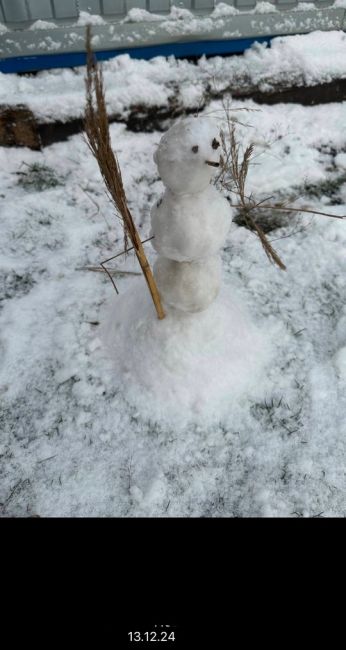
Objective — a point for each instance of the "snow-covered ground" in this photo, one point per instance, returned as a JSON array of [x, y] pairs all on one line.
[[319, 57], [71, 444]]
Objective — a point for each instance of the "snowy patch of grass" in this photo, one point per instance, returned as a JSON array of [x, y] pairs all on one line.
[[330, 188], [71, 446], [277, 415], [268, 221], [38, 178], [16, 284]]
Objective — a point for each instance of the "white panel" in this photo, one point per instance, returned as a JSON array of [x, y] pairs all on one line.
[[40, 9], [92, 6], [139, 4], [15, 10], [248, 4], [185, 4], [114, 7], [159, 5], [204, 4], [65, 8]]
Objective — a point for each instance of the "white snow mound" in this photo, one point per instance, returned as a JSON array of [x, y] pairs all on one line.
[[186, 367]]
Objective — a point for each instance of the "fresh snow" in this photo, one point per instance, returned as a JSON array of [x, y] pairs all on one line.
[[85, 18], [306, 59], [137, 15], [73, 443], [188, 369], [42, 24], [264, 8], [222, 10]]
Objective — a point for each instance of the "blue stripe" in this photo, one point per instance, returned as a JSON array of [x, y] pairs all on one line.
[[72, 59]]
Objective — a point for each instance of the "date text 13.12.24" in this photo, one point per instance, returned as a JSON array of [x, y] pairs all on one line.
[[151, 636]]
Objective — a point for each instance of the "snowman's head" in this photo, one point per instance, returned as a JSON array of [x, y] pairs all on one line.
[[189, 154]]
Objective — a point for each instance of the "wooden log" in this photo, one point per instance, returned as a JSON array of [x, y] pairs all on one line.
[[18, 127]]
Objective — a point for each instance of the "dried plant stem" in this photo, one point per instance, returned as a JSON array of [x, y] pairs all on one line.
[[109, 275], [232, 176], [239, 172], [99, 269], [283, 209], [145, 266], [98, 139]]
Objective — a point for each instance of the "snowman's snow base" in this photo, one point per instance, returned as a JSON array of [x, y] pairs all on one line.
[[187, 367]]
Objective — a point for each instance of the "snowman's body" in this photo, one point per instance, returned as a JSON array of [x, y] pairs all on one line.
[[191, 221], [189, 227], [189, 286]]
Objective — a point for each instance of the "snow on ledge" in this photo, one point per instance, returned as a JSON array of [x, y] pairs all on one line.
[[89, 19], [42, 24]]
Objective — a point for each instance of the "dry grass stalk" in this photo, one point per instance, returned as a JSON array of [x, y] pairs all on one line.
[[232, 177], [98, 139], [239, 169], [282, 208], [98, 269]]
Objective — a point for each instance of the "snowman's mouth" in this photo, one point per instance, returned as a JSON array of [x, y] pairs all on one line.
[[212, 164]]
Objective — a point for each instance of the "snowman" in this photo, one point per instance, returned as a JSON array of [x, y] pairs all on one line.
[[191, 220], [194, 364]]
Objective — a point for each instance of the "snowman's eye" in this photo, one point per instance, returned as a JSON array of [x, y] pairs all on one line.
[[215, 144], [195, 148]]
